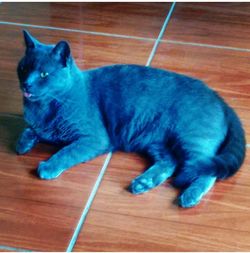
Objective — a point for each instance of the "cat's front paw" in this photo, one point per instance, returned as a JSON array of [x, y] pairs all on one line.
[[23, 147], [47, 172], [26, 142]]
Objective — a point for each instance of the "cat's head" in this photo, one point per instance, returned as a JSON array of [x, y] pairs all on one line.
[[44, 71]]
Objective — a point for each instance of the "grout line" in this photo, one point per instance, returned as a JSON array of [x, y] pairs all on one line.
[[88, 204], [125, 36], [108, 158], [205, 45], [160, 34], [13, 249], [78, 31]]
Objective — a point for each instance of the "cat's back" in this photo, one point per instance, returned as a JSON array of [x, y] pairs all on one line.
[[141, 78], [135, 84]]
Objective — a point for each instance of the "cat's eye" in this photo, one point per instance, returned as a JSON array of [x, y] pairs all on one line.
[[44, 74]]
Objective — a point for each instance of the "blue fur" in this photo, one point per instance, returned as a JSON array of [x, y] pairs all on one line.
[[184, 127], [193, 194]]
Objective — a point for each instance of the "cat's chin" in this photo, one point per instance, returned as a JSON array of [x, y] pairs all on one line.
[[30, 97], [38, 98]]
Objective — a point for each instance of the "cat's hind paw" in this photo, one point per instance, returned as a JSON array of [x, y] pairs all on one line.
[[190, 197], [141, 185], [146, 182], [45, 171]]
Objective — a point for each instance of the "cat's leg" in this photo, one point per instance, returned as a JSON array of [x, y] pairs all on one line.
[[26, 141], [197, 175], [158, 173], [193, 194], [198, 172], [79, 151]]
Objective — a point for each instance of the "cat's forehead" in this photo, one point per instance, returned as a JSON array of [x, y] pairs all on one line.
[[40, 58]]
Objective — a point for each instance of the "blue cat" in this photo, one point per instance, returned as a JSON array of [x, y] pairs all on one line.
[[183, 126]]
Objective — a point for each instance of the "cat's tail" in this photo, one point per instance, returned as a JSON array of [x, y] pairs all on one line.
[[231, 154]]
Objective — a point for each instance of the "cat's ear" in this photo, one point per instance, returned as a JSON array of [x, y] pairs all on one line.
[[61, 52], [29, 40]]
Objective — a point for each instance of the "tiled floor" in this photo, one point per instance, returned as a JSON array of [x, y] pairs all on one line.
[[206, 40]]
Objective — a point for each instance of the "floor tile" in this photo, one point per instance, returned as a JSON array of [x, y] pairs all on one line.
[[224, 24], [226, 71], [89, 52], [120, 221], [136, 19], [36, 214]]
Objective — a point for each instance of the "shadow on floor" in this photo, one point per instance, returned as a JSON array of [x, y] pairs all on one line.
[[11, 127]]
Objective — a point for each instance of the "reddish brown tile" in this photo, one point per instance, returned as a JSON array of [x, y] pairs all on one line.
[[226, 71], [136, 19], [224, 24], [120, 221], [37, 214]]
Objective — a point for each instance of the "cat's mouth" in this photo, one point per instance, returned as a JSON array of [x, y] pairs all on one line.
[[27, 94]]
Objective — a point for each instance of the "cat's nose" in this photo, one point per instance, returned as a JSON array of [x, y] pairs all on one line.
[[26, 85]]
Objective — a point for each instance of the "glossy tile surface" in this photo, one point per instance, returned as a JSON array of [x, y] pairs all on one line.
[[224, 24], [120, 221], [136, 19], [42, 215], [36, 214]]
